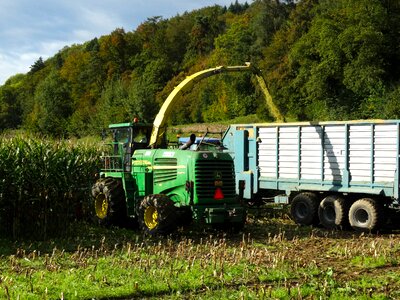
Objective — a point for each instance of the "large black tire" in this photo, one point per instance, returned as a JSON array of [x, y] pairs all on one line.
[[109, 202], [366, 215], [157, 214], [304, 209], [333, 212]]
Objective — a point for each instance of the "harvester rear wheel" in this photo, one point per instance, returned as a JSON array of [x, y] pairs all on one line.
[[109, 202], [304, 209], [157, 214]]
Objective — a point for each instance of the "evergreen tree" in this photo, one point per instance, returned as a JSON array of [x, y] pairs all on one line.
[[37, 66]]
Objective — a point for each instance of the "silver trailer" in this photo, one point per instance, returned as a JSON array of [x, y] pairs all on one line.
[[333, 173]]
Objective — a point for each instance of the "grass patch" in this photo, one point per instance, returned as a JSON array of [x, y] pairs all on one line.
[[270, 259]]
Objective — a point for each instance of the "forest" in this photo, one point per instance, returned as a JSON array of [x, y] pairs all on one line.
[[321, 59]]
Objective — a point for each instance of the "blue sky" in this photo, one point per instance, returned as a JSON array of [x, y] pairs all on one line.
[[32, 29]]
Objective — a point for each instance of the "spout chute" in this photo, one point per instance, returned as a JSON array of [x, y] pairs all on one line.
[[159, 124]]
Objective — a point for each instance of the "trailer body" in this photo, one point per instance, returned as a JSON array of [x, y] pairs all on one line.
[[356, 158]]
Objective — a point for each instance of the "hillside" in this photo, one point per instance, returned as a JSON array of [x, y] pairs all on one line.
[[321, 60]]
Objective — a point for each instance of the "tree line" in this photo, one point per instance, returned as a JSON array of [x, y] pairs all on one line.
[[322, 60]]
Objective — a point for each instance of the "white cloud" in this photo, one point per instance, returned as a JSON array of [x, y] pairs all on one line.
[[82, 35], [49, 48], [11, 65], [98, 20]]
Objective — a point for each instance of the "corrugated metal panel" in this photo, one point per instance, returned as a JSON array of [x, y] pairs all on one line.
[[267, 156], [360, 153], [310, 152], [366, 152], [385, 152], [287, 152], [334, 152]]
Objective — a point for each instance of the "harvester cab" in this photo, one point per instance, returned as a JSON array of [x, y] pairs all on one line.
[[126, 138], [135, 135]]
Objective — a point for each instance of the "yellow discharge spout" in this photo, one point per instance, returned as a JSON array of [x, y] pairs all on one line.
[[159, 123], [166, 108], [268, 99]]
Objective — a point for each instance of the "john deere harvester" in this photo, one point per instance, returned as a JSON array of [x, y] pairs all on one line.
[[162, 188], [144, 181]]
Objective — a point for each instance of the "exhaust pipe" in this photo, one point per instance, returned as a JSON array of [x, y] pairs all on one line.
[[189, 143]]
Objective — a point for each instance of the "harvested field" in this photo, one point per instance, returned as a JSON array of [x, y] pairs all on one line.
[[271, 259]]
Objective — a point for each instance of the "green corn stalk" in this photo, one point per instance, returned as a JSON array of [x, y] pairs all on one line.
[[42, 184]]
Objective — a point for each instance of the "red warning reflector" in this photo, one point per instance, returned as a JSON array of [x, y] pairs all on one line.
[[218, 195]]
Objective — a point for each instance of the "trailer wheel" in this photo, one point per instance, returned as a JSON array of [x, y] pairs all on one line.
[[304, 209], [333, 212], [366, 215], [109, 202], [157, 214]]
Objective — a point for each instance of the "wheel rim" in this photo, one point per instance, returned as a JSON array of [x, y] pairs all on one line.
[[361, 216], [101, 206], [151, 217]]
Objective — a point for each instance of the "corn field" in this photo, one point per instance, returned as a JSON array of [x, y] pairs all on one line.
[[44, 185]]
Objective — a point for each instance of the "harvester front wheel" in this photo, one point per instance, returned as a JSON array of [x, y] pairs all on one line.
[[109, 202], [157, 214]]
